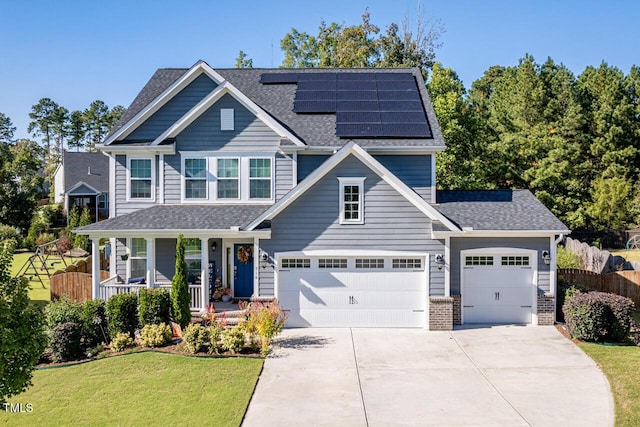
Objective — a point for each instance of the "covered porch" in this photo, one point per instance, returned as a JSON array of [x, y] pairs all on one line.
[[218, 260]]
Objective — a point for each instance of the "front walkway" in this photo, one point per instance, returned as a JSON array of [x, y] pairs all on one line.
[[492, 376]]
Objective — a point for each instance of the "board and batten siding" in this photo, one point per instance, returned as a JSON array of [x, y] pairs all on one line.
[[312, 222], [174, 109], [535, 243]]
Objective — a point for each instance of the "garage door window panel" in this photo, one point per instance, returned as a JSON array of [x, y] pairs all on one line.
[[332, 263], [407, 263], [515, 260], [369, 263], [478, 260], [296, 263]]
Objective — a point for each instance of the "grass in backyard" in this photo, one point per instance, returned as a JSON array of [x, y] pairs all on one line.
[[621, 365], [141, 389], [630, 255]]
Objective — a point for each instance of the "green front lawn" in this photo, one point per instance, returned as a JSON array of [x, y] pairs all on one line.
[[621, 365], [141, 389]]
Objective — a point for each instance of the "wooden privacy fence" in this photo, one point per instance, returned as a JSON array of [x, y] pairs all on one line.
[[625, 283], [76, 286]]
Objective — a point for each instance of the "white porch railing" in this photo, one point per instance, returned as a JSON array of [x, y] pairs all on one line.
[[195, 292], [110, 287]]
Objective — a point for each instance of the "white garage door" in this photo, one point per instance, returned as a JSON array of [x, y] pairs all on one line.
[[497, 288], [353, 291]]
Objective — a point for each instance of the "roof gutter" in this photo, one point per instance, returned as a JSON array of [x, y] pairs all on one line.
[[137, 149]]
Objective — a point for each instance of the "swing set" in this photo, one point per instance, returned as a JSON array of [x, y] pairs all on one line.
[[40, 264]]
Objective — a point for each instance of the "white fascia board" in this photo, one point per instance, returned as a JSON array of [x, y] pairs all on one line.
[[352, 253], [199, 68], [498, 233], [205, 233], [137, 149], [367, 159], [83, 194]]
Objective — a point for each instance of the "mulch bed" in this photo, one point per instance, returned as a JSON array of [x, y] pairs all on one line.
[[46, 362]]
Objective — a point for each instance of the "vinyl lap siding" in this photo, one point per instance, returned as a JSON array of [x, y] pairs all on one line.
[[283, 175], [123, 206], [536, 243], [174, 109], [312, 222], [249, 134], [413, 170]]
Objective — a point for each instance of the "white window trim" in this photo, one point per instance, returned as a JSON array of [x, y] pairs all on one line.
[[215, 164], [359, 182], [131, 257], [271, 178], [153, 179], [184, 179]]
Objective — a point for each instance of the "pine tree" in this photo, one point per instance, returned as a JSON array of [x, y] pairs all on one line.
[[180, 299]]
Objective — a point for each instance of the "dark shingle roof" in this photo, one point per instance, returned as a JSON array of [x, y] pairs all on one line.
[[182, 217], [77, 166], [161, 80], [277, 101], [497, 210]]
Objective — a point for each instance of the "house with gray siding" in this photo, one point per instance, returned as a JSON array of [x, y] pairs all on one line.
[[317, 187]]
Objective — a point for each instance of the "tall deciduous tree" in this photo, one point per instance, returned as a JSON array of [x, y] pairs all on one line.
[[22, 337]]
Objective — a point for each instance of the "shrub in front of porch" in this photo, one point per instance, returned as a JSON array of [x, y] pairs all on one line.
[[122, 314], [196, 338], [155, 335], [180, 299], [154, 306], [266, 319]]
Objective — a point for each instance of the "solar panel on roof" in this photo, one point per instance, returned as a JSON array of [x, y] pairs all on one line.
[[278, 78], [356, 76], [355, 95], [359, 129], [304, 77], [394, 76], [402, 116], [396, 85], [315, 95], [317, 85], [398, 94], [358, 117], [405, 105], [357, 85], [406, 130], [357, 106], [314, 106]]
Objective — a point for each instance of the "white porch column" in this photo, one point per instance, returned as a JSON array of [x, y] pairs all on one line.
[[151, 262], [204, 273], [95, 268]]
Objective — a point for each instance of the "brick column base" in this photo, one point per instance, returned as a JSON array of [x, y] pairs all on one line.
[[546, 310], [440, 313], [457, 309]]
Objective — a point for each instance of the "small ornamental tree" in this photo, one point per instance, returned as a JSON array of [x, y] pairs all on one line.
[[85, 219], [22, 337], [180, 299]]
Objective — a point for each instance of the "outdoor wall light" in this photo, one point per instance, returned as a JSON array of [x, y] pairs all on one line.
[[546, 257], [439, 261], [214, 246], [264, 258]]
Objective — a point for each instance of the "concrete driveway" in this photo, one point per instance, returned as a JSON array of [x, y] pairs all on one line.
[[491, 376]]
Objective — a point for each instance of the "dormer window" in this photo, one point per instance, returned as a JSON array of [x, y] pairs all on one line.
[[351, 200], [226, 119]]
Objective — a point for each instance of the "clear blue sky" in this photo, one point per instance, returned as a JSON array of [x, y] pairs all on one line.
[[77, 51]]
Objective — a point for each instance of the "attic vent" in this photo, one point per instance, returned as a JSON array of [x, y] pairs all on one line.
[[226, 119]]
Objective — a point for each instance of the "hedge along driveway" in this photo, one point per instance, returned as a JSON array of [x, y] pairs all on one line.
[[140, 389]]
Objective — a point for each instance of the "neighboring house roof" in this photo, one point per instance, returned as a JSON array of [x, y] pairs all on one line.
[[91, 169], [497, 210], [179, 218], [352, 148], [277, 100]]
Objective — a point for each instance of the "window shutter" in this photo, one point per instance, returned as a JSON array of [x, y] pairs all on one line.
[[226, 119]]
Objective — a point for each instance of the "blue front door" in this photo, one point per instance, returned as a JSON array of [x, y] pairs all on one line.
[[243, 271]]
